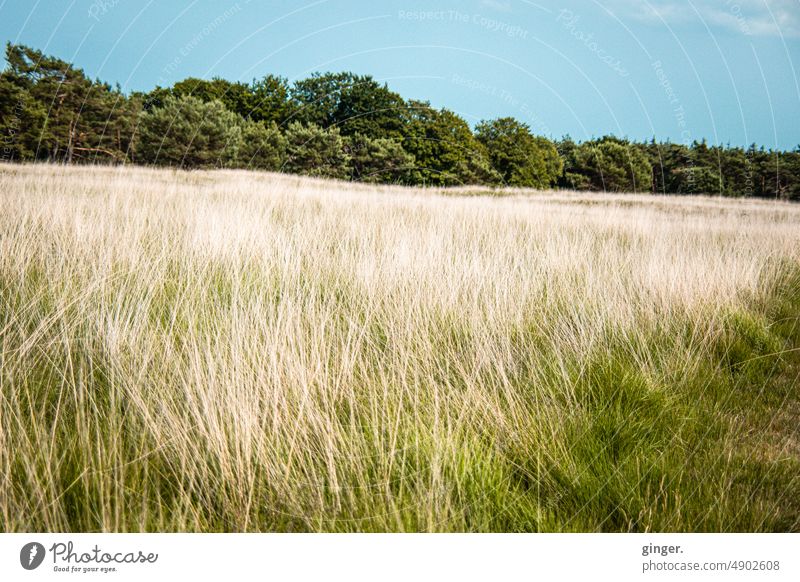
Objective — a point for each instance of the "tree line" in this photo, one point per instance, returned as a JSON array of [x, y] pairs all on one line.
[[346, 126]]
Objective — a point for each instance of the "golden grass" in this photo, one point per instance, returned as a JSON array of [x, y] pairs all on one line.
[[239, 351]]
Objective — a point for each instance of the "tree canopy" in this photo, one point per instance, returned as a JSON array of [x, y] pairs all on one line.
[[446, 151], [611, 165], [355, 104], [346, 126], [520, 158], [189, 133], [314, 151]]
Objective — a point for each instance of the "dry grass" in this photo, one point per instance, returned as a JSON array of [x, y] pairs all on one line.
[[238, 351]]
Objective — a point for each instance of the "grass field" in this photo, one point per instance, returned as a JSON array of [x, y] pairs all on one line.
[[232, 351]]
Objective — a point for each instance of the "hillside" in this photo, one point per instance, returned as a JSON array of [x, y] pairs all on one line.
[[240, 351]]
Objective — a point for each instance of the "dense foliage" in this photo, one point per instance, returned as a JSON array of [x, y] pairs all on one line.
[[521, 158], [189, 133], [314, 151], [346, 126]]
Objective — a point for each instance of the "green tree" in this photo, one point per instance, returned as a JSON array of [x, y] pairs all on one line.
[[666, 160], [270, 100], [262, 147], [84, 119], [695, 180], [314, 151], [734, 170], [265, 99], [354, 104], [612, 165], [553, 162], [521, 159], [570, 176], [236, 97], [789, 183], [445, 150], [380, 160], [21, 121], [188, 133], [350, 126], [780, 174]]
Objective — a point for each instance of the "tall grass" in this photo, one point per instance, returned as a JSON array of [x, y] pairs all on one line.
[[230, 351]]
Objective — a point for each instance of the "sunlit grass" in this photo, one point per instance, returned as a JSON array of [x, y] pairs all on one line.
[[231, 351]]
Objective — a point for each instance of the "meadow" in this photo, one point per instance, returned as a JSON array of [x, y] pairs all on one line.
[[242, 351]]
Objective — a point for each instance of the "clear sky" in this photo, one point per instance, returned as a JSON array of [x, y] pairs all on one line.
[[724, 70]]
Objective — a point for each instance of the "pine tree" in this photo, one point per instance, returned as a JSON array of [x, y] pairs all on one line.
[[188, 133]]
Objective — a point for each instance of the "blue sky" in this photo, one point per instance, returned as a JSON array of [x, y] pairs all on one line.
[[724, 70]]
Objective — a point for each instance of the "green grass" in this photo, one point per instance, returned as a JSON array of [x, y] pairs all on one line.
[[166, 387], [658, 437]]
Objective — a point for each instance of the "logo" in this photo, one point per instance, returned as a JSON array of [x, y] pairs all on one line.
[[31, 555], [67, 558]]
